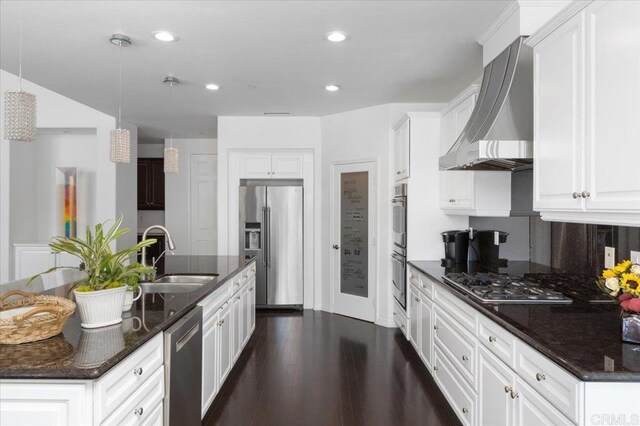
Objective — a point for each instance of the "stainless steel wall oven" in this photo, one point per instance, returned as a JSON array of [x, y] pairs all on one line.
[[399, 252]]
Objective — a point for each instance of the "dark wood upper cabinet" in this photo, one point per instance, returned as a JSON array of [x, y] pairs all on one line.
[[150, 184]]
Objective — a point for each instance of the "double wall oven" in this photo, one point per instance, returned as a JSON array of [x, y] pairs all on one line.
[[399, 252]]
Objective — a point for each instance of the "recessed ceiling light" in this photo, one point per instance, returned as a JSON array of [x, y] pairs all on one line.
[[332, 88], [336, 36], [164, 36], [212, 86]]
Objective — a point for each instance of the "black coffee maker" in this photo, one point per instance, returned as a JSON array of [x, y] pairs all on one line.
[[456, 248], [486, 244]]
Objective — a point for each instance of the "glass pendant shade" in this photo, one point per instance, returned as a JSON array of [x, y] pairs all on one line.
[[171, 157], [20, 116], [120, 149]]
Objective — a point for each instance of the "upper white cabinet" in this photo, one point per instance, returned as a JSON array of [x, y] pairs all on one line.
[[586, 113], [271, 166], [32, 259], [470, 193], [401, 149]]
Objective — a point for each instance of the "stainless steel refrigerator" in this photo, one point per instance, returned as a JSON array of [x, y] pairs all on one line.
[[271, 230]]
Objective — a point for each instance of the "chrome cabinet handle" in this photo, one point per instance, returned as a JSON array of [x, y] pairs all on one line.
[[397, 173], [336, 247], [540, 377], [238, 298], [514, 395], [465, 410], [507, 389], [586, 194], [492, 339], [138, 371], [576, 195], [417, 300], [465, 358], [435, 368], [138, 411], [435, 327]]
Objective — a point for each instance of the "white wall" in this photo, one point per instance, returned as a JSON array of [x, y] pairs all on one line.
[[127, 192], [55, 112], [177, 199], [299, 134], [151, 150]]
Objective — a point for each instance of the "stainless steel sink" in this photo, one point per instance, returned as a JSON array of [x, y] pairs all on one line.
[[177, 283]]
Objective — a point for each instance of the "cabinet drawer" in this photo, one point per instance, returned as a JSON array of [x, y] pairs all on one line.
[[213, 301], [156, 417], [426, 285], [140, 406], [457, 343], [460, 396], [117, 386], [236, 283], [463, 313], [248, 273], [497, 340], [413, 276], [559, 387], [400, 318]]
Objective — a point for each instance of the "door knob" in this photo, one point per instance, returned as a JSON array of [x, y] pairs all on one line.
[[586, 194], [576, 195], [336, 247]]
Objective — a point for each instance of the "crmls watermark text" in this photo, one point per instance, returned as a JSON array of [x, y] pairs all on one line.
[[612, 419]]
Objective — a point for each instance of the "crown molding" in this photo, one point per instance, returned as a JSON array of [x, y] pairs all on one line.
[[506, 13]]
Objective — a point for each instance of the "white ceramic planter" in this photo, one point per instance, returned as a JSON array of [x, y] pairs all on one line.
[[129, 299], [100, 308]]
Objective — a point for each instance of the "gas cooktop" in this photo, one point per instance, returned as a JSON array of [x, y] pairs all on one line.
[[502, 288]]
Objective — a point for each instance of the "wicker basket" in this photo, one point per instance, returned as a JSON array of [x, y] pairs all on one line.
[[45, 320]]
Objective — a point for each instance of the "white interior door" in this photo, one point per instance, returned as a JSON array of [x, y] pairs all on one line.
[[353, 234], [203, 193]]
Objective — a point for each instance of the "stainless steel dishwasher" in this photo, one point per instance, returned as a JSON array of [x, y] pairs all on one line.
[[183, 370]]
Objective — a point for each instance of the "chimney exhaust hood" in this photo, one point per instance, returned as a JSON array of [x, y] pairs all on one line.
[[499, 134]]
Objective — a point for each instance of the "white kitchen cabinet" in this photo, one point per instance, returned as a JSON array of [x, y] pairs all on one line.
[[414, 324], [475, 193], [252, 306], [456, 116], [236, 323], [586, 114], [425, 318], [495, 383], [401, 149], [246, 318], [531, 409], [224, 346], [32, 259], [210, 353], [271, 166]]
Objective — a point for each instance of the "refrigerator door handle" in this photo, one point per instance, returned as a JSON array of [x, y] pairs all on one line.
[[265, 237], [269, 237]]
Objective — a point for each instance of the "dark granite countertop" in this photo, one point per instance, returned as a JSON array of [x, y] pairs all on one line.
[[83, 354], [578, 336]]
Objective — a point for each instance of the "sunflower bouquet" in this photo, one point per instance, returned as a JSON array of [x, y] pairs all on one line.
[[623, 283]]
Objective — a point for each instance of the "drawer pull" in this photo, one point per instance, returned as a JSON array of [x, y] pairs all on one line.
[[465, 410], [138, 371], [465, 358], [492, 339], [138, 411], [435, 327], [540, 377], [402, 327], [417, 300], [514, 395], [507, 389], [435, 368], [238, 298]]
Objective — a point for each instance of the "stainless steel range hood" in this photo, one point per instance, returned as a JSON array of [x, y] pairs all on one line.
[[499, 134]]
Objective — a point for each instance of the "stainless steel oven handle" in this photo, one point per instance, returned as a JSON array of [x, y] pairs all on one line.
[[400, 259]]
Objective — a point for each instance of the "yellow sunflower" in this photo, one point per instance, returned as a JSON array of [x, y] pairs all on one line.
[[622, 266], [609, 273], [631, 284]]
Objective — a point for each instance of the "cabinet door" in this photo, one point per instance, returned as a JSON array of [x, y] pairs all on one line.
[[33, 260], [426, 330], [533, 410], [414, 317], [613, 111], [286, 166], [447, 189], [401, 150], [255, 166], [224, 347], [209, 361], [558, 147], [246, 316], [495, 383], [252, 306], [463, 190], [157, 184], [236, 321], [144, 172]]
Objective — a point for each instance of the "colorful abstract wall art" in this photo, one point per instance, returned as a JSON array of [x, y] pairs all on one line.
[[67, 181]]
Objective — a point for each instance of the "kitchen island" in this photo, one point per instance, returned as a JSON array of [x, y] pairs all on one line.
[[522, 363], [87, 376]]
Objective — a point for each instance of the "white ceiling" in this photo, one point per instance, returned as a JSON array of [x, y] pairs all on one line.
[[268, 56]]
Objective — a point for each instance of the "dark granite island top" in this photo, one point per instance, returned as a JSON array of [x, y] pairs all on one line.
[[578, 336], [86, 354]]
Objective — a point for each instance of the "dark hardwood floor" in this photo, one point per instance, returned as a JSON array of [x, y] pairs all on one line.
[[315, 368]]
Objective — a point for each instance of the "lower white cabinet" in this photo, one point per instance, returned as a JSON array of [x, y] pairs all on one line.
[[496, 381], [225, 348], [421, 324], [209, 361], [414, 308], [459, 394]]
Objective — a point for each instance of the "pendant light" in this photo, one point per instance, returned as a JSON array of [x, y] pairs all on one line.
[[120, 147], [171, 154], [20, 107]]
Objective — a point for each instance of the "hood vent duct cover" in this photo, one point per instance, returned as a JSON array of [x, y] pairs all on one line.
[[499, 134]]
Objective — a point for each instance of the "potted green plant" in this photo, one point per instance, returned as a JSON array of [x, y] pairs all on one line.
[[100, 297]]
